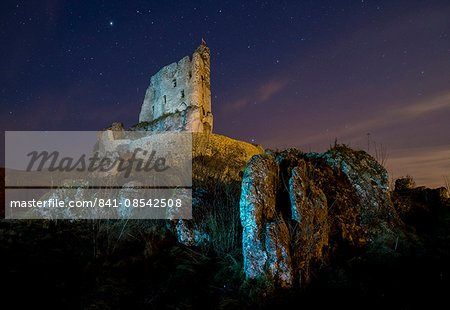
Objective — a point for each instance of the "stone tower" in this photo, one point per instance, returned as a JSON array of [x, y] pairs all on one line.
[[179, 96]]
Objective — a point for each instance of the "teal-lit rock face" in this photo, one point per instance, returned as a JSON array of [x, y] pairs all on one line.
[[265, 239]]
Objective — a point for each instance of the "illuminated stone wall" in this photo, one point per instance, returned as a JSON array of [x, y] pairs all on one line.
[[181, 90]]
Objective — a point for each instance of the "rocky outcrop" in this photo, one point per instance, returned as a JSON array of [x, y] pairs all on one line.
[[406, 187], [294, 204], [419, 206], [370, 184], [310, 213], [277, 248], [265, 239]]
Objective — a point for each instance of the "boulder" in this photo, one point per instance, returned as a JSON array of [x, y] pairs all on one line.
[[277, 247], [265, 236], [370, 184], [310, 212], [187, 235]]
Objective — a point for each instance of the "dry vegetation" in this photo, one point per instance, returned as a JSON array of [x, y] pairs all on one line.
[[139, 264]]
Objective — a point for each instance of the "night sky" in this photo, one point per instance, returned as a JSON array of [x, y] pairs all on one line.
[[283, 73]]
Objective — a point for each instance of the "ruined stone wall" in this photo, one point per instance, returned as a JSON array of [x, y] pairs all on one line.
[[179, 86], [212, 154]]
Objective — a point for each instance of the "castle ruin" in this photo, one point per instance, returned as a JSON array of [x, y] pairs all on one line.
[[178, 100], [179, 96]]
